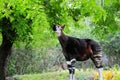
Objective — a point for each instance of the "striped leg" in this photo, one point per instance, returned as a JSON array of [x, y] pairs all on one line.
[[97, 59], [71, 68]]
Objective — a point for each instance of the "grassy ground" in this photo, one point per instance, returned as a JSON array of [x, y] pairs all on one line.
[[63, 75]]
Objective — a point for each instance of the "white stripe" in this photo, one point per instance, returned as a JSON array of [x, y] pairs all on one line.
[[97, 55], [73, 60], [72, 68], [68, 63]]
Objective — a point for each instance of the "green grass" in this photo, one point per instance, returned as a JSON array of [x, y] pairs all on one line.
[[64, 75], [59, 75], [43, 76]]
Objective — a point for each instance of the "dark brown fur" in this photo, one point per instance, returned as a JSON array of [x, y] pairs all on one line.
[[80, 49]]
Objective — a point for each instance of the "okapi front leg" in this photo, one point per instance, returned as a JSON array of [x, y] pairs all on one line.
[[71, 68]]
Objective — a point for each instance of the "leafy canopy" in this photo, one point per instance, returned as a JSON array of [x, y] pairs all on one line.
[[32, 19]]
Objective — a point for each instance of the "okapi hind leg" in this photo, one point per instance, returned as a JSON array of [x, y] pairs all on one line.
[[71, 68], [100, 73], [97, 59]]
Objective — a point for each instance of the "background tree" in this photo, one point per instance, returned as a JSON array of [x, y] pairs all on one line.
[[16, 25], [11, 22]]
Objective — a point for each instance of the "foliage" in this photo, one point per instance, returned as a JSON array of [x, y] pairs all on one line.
[[28, 60], [109, 25], [85, 8], [112, 44], [32, 20], [12, 10], [111, 49], [27, 18]]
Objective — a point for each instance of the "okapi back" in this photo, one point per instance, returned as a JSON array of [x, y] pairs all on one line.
[[81, 49]]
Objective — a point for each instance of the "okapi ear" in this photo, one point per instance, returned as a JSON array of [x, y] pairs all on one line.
[[63, 26]]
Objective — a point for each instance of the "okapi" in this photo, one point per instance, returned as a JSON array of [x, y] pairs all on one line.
[[75, 49]]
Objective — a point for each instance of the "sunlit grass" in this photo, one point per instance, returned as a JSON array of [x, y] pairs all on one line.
[[80, 75]]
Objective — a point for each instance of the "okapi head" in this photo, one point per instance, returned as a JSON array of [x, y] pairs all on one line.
[[58, 29]]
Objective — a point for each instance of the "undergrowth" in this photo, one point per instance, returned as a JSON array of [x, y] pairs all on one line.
[[111, 74]]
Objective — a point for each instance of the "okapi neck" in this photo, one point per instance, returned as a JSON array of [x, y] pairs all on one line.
[[63, 39]]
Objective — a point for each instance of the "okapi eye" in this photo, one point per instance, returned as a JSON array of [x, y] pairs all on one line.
[[54, 27]]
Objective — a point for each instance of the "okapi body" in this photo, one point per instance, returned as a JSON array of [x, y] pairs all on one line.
[[75, 49]]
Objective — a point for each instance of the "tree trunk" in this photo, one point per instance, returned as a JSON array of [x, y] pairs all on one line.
[[8, 36], [5, 50]]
